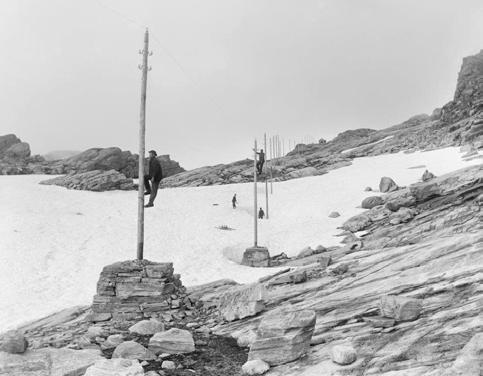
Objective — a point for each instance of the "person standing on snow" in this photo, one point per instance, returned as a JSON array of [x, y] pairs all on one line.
[[234, 201], [155, 174], [261, 214], [261, 161]]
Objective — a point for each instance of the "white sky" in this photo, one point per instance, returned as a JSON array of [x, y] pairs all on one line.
[[69, 77]]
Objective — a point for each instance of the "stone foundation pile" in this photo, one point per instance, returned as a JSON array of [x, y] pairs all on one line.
[[133, 290]]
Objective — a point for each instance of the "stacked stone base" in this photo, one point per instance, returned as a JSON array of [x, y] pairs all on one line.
[[134, 290]]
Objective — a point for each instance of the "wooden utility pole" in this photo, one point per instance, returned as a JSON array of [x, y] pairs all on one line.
[[266, 169], [255, 211], [142, 135], [271, 175]]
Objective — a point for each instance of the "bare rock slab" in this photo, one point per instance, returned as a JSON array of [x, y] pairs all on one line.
[[242, 301], [256, 257], [400, 308], [115, 367], [343, 354], [283, 336], [48, 362], [173, 341]]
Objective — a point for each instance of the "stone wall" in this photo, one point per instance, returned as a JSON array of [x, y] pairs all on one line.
[[133, 290]]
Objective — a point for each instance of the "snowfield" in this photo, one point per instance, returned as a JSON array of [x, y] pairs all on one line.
[[54, 242]]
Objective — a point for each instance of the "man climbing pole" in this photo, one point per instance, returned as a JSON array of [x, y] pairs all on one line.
[[261, 214], [155, 175], [261, 161], [234, 201]]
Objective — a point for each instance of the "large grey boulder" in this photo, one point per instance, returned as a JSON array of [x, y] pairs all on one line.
[[255, 367], [400, 308], [147, 327], [7, 141], [13, 342], [132, 350], [242, 301], [343, 354], [372, 201], [427, 176], [283, 336], [173, 341], [357, 223], [387, 185], [115, 367]]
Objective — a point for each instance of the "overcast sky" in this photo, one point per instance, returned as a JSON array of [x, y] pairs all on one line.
[[225, 71]]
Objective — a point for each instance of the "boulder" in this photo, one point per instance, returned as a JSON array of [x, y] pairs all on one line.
[[283, 336], [112, 342], [245, 339], [368, 189], [387, 185], [322, 141], [308, 251], [115, 367], [256, 257], [400, 308], [255, 367], [372, 201], [132, 350], [147, 327], [427, 176], [173, 341], [357, 223], [343, 354], [395, 203], [48, 362], [7, 141], [334, 214], [425, 191], [243, 301], [13, 342], [95, 331], [168, 364]]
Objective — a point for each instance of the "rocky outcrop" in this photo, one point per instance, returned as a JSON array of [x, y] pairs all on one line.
[[242, 301], [115, 367], [283, 336], [97, 181], [13, 342]]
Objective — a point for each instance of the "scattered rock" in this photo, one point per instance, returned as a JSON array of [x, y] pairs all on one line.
[[343, 354], [338, 269], [427, 176], [112, 341], [370, 202], [255, 367], [95, 331], [147, 327], [307, 251], [168, 364], [400, 308], [283, 336], [368, 189], [387, 185], [173, 341], [115, 367], [245, 339], [425, 191], [132, 350], [334, 214], [242, 301], [13, 342]]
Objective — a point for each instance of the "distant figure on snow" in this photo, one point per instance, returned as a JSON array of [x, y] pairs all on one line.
[[234, 201], [261, 214], [155, 174], [261, 161]]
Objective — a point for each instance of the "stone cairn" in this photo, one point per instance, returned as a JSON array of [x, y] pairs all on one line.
[[133, 290]]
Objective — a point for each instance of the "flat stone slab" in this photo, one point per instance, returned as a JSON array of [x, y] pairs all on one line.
[[242, 301]]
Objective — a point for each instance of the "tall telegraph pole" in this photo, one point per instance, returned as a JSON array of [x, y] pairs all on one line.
[[255, 212], [266, 173], [142, 134]]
